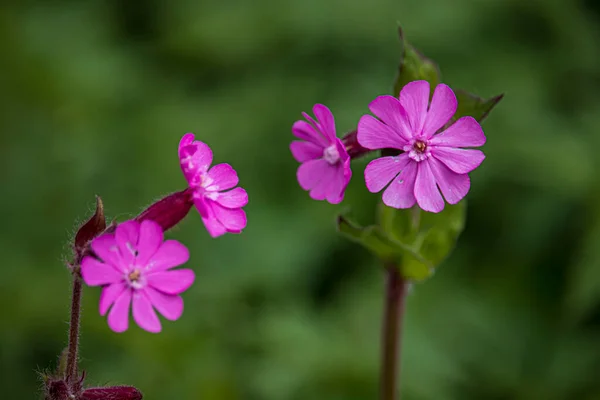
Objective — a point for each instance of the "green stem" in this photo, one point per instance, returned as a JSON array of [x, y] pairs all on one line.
[[395, 299]]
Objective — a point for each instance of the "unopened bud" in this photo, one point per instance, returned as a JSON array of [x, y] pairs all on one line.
[[170, 210], [88, 231]]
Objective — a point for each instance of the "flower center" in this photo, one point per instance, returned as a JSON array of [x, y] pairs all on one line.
[[135, 279], [331, 154], [420, 146], [418, 150]]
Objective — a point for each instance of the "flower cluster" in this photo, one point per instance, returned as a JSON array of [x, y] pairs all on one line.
[[430, 156], [133, 263]]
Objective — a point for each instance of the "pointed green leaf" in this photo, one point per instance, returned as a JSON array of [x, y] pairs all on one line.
[[414, 66], [474, 106]]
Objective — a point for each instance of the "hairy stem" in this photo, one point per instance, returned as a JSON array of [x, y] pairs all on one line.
[[391, 338], [71, 370]]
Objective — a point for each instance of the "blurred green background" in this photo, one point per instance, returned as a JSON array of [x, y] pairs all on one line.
[[95, 96]]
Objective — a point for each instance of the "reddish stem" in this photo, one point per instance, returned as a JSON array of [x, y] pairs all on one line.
[[395, 300]]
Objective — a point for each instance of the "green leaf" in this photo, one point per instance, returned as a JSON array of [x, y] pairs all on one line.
[[414, 240], [438, 232], [414, 66], [372, 237], [387, 248], [474, 106]]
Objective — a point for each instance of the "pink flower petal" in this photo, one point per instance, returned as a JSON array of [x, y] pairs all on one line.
[[171, 282], [381, 171], [454, 186], [169, 306], [326, 121], [305, 131], [338, 183], [109, 294], [309, 173], [201, 205], [325, 181], [442, 108], [118, 317], [224, 177], [373, 134], [96, 273], [194, 157], [105, 247], [341, 148], [151, 237], [304, 151], [426, 192], [143, 313], [170, 254], [233, 219], [414, 97], [466, 132], [213, 226], [389, 110], [187, 139], [235, 198], [126, 236], [460, 161], [400, 193], [326, 184]]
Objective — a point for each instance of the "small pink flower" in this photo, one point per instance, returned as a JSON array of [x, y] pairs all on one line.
[[430, 161], [325, 168], [134, 266], [221, 211]]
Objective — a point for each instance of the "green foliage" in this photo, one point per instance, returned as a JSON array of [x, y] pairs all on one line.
[[413, 240], [474, 106], [414, 66]]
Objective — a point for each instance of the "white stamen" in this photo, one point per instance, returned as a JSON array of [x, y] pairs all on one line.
[[331, 154]]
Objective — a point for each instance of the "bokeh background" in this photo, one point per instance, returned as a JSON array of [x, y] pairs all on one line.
[[95, 96]]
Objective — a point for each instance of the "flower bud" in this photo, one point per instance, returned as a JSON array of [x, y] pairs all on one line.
[[170, 210], [88, 231]]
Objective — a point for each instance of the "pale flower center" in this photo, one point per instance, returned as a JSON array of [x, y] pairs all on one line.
[[331, 154], [418, 149], [135, 279]]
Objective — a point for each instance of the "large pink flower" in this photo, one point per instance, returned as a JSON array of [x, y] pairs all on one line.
[[134, 266], [221, 211], [325, 169], [431, 161]]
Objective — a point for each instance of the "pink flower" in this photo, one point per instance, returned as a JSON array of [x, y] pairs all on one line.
[[325, 168], [430, 161], [221, 211], [133, 265]]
